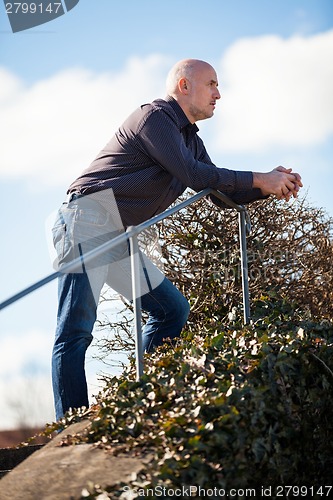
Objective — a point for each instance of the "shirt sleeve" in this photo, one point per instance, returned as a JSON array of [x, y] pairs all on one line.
[[160, 138], [240, 197]]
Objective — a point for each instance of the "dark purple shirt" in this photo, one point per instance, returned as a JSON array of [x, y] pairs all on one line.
[[150, 161]]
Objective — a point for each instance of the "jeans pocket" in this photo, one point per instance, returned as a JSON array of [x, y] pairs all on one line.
[[89, 237], [62, 239], [79, 230], [90, 229]]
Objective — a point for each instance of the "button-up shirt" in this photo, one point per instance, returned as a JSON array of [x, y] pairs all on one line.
[[152, 159]]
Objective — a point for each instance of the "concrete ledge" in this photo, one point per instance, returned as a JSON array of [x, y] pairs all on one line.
[[61, 472]]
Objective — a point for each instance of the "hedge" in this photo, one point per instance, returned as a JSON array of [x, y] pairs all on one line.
[[237, 408]]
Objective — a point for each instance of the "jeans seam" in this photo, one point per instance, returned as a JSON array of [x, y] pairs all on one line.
[[145, 272], [65, 402]]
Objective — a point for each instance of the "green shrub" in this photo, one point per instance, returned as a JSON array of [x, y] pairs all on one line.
[[241, 408], [232, 406]]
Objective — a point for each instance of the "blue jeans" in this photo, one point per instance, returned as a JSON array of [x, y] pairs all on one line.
[[76, 231]]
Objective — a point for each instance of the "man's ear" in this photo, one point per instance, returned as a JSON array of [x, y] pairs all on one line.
[[182, 84]]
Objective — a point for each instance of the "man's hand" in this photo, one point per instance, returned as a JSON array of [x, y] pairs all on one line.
[[281, 182]]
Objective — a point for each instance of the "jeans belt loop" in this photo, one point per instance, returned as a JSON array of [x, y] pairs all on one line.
[[73, 196]]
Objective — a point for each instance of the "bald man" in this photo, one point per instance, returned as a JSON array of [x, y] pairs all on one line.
[[154, 156]]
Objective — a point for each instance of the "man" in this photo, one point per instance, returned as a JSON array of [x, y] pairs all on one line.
[[152, 158]]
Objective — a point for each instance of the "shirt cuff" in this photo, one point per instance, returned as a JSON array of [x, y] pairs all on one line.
[[243, 181]]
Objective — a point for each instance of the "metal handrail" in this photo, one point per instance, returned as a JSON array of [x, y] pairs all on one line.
[[131, 235]]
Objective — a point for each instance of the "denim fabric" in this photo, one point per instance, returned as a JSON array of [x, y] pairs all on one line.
[[78, 228], [81, 226]]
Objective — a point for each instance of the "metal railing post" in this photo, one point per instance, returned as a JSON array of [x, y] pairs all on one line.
[[136, 296], [244, 265]]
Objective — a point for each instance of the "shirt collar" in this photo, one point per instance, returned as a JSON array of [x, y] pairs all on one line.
[[183, 120]]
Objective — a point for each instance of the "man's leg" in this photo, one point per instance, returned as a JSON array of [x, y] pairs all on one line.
[[81, 225], [168, 312], [78, 297], [168, 309]]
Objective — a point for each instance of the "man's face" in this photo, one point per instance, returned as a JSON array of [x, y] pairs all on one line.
[[203, 93]]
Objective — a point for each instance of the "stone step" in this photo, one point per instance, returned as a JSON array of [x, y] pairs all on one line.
[[58, 472], [11, 457]]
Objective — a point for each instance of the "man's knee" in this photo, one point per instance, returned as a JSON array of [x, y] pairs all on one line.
[[181, 310], [186, 310]]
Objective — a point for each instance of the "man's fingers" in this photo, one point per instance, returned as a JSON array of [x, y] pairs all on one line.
[[287, 194], [298, 180], [290, 185], [283, 169], [280, 182], [296, 177]]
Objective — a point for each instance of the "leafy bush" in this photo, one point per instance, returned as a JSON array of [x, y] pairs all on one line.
[[289, 250], [236, 408], [231, 406]]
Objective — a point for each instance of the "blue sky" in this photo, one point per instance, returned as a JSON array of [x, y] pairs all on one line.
[[66, 85]]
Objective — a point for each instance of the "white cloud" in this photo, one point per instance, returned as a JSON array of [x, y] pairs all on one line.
[[26, 402], [26, 394], [31, 351], [276, 92], [53, 129], [25, 381]]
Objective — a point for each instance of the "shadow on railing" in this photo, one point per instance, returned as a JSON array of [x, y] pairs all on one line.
[[131, 235]]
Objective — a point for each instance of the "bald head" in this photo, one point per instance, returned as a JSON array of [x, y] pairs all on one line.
[[186, 68], [193, 84]]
